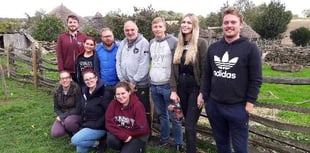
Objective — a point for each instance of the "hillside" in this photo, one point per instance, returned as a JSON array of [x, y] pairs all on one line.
[[294, 24]]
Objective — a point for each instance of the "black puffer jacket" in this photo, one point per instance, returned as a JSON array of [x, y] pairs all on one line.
[[93, 108]]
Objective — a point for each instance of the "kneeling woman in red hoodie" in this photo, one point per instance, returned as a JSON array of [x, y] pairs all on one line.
[[126, 121]]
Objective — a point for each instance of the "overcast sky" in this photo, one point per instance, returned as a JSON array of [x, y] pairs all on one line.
[[18, 8]]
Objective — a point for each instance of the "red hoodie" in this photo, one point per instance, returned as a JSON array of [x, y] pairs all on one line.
[[127, 121], [68, 48]]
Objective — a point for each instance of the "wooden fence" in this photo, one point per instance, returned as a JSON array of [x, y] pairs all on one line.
[[30, 66], [266, 135]]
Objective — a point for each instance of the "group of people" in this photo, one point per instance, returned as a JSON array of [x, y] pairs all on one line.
[[104, 94]]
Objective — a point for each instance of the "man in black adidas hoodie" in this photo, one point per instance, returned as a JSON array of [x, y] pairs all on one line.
[[233, 78]]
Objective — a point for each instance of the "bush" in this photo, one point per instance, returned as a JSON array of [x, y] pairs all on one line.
[[300, 36], [89, 31], [9, 26], [47, 28], [272, 20]]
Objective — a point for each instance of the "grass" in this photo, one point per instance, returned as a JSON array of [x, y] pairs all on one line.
[[27, 116], [267, 71], [285, 94], [292, 95]]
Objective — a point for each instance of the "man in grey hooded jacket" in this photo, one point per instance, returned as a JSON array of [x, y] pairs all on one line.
[[132, 63]]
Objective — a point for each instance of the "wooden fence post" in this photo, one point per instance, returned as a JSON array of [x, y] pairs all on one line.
[[40, 59], [7, 52], [34, 66], [4, 86]]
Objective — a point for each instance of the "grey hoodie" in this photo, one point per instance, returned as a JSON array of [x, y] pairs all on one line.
[[161, 58], [133, 61]]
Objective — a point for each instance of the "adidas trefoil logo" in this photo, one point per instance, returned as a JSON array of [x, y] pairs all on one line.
[[225, 64]]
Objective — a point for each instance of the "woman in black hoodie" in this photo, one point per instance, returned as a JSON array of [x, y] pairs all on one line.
[[92, 110]]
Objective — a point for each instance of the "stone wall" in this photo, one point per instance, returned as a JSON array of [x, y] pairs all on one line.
[[274, 52]]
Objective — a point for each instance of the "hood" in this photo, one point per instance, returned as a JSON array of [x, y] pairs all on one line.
[[101, 45], [133, 98], [139, 37], [166, 37]]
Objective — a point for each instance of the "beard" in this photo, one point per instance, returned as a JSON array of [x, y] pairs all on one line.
[[108, 43], [72, 29]]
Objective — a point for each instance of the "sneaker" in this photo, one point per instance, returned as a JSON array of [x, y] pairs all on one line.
[[101, 147], [179, 148]]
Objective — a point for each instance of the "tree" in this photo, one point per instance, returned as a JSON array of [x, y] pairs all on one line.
[[47, 28], [93, 32], [173, 28], [214, 19], [248, 10], [170, 15], [306, 13], [9, 25], [244, 5], [202, 22], [115, 20], [143, 18], [272, 20], [300, 36]]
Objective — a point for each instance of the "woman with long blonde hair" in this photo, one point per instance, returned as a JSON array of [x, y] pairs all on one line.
[[187, 75]]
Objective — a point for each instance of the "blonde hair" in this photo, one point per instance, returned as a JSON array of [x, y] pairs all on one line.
[[192, 44], [233, 11], [126, 85], [159, 19]]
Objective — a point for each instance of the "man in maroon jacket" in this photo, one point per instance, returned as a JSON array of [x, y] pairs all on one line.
[[69, 45]]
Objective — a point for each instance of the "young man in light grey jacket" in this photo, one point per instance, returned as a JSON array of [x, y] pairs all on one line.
[[161, 50]]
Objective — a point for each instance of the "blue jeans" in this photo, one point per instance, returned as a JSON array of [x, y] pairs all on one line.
[[161, 97], [86, 138]]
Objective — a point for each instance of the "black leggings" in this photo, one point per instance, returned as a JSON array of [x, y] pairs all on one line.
[[135, 145], [188, 91]]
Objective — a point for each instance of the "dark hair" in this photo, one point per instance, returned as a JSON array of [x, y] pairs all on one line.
[[89, 70], [73, 17], [123, 84], [90, 38]]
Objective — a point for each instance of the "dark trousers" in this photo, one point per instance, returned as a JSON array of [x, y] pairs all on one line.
[[109, 92], [70, 125], [188, 91], [135, 145], [229, 125], [74, 77], [144, 97]]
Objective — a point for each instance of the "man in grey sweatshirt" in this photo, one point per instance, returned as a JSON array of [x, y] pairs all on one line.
[[133, 62]]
